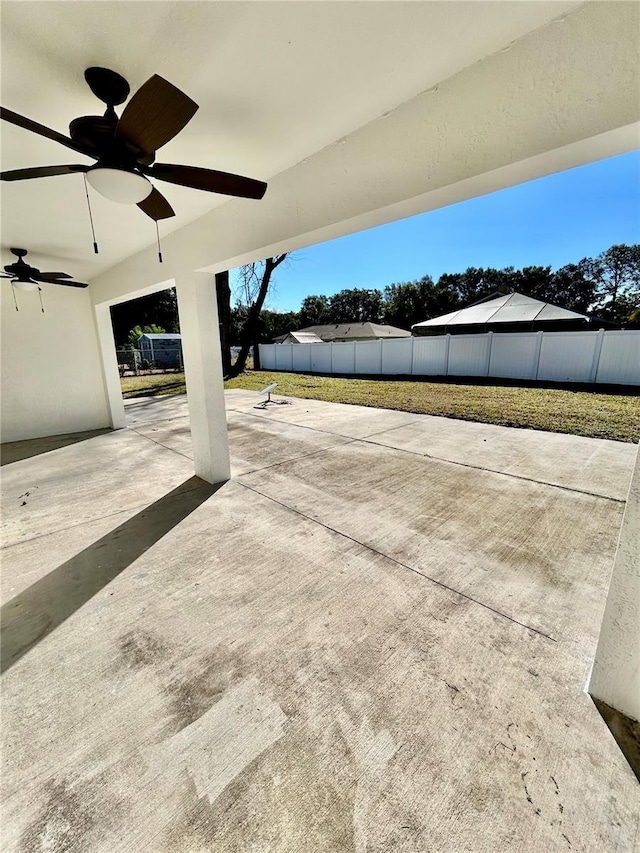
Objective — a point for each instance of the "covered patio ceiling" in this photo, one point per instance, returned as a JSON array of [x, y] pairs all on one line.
[[276, 82]]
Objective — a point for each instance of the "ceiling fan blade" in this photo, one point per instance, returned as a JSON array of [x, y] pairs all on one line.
[[40, 129], [40, 172], [156, 206], [63, 283], [208, 180], [53, 276], [154, 115]]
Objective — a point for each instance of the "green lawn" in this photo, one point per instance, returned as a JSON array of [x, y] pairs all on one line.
[[152, 386], [597, 415]]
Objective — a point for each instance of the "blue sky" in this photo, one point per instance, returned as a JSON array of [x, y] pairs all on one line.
[[554, 220]]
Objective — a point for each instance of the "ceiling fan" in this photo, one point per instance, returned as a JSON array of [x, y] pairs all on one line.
[[125, 148], [25, 277]]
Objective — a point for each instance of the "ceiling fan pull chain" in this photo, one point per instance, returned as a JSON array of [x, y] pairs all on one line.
[[15, 301], [86, 192], [158, 238], [40, 295]]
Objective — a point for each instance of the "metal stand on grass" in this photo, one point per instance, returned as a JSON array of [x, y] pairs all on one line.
[[266, 402]]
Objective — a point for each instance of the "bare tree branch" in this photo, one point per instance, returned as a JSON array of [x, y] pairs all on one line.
[[254, 285]]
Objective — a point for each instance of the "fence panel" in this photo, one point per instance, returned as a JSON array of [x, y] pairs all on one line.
[[268, 356], [284, 356], [514, 355], [469, 355], [612, 356], [620, 358], [343, 356], [302, 357], [567, 356], [320, 357], [430, 355], [368, 354], [396, 356]]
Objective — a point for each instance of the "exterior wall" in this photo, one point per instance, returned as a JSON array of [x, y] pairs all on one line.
[[603, 356], [51, 373], [615, 678]]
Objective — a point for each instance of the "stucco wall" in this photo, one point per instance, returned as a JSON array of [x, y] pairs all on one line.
[[50, 372], [616, 671]]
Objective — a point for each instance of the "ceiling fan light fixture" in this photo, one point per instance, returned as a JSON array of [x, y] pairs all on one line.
[[28, 286], [119, 185]]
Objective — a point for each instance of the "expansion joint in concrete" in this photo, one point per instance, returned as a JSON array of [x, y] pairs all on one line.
[[397, 562], [367, 440]]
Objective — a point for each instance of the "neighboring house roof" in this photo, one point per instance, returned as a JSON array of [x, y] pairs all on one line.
[[302, 338], [154, 336], [508, 308], [351, 331]]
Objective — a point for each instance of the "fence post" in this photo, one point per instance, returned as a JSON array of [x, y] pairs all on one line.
[[490, 336], [597, 350], [446, 355], [537, 354], [412, 343]]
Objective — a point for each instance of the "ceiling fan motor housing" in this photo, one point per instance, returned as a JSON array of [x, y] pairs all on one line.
[[95, 133]]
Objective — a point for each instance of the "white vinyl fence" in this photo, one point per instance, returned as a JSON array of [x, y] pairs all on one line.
[[602, 356]]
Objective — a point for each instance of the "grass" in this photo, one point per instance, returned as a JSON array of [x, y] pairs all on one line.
[[580, 412], [153, 385]]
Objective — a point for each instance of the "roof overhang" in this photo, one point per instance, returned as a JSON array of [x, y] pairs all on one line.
[[439, 102]]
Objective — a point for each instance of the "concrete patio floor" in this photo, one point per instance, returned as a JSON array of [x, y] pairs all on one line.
[[375, 637]]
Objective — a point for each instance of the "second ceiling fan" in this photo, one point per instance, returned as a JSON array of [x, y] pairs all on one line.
[[125, 148]]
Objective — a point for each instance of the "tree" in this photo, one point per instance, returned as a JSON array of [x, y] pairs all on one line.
[[134, 334], [571, 289], [414, 301], [475, 283], [615, 275], [273, 324], [223, 298], [535, 282], [159, 308], [357, 305], [254, 281], [314, 311]]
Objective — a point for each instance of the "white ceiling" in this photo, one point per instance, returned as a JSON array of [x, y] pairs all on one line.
[[275, 81]]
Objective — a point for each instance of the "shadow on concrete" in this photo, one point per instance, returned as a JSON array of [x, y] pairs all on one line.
[[33, 614], [16, 451], [626, 733], [155, 391]]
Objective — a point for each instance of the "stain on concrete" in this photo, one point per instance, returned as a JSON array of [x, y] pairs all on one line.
[[209, 678], [61, 825], [138, 649], [296, 796], [371, 753], [222, 742]]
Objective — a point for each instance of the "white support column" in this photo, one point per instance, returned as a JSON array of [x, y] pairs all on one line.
[[615, 678], [198, 311], [110, 372]]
